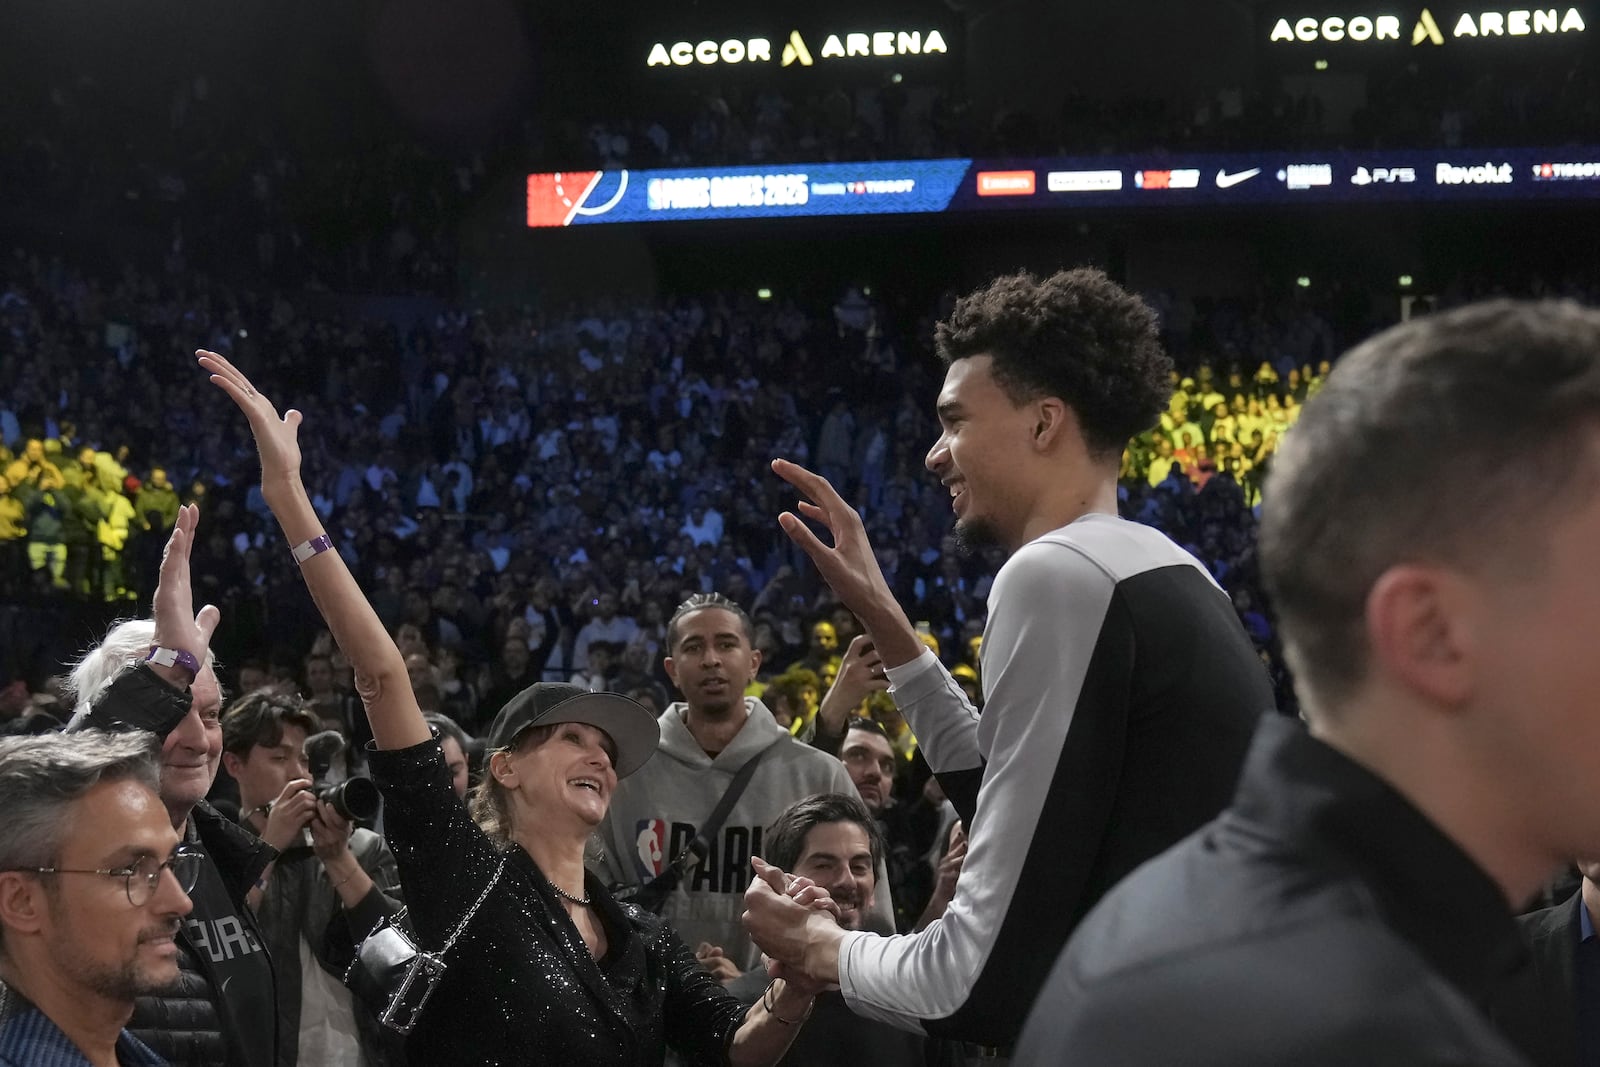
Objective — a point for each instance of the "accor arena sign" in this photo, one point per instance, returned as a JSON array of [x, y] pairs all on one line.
[[1509, 24], [796, 51]]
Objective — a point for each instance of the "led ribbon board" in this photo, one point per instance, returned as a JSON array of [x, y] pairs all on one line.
[[582, 198]]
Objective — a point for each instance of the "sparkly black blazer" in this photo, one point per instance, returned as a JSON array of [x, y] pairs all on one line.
[[521, 986]]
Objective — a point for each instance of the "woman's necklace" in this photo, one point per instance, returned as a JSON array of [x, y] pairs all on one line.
[[582, 902]]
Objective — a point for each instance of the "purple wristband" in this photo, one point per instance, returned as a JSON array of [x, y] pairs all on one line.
[[174, 657], [306, 549]]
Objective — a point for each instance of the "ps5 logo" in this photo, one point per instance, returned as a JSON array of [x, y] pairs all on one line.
[[1383, 176]]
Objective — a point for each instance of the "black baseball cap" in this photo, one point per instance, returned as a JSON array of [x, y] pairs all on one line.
[[629, 724]]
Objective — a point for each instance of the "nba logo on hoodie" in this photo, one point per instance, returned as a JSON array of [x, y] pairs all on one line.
[[650, 846]]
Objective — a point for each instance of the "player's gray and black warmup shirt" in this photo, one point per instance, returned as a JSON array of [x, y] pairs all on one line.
[[1120, 695]]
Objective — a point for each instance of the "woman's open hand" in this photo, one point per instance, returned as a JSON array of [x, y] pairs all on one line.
[[277, 439]]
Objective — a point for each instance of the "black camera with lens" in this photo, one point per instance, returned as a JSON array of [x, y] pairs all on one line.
[[355, 798]]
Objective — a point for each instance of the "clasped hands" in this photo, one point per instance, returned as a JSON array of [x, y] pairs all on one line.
[[795, 922]]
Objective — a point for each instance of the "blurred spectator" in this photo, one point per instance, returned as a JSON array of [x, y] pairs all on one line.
[[157, 495], [604, 624]]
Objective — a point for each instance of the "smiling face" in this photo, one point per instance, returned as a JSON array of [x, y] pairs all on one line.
[[81, 930], [192, 751], [981, 454], [838, 857], [562, 777]]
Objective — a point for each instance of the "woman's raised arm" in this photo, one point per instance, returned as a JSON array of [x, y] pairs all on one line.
[[380, 670]]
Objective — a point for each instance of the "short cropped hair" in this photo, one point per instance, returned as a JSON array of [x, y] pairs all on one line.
[[41, 776], [871, 726], [258, 718], [701, 601], [785, 840], [1433, 442], [1076, 335]]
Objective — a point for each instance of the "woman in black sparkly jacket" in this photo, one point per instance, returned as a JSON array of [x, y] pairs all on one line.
[[549, 968]]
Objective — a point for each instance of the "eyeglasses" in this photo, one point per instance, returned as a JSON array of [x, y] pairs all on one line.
[[140, 879]]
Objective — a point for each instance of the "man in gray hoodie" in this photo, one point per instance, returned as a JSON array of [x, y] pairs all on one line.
[[705, 739]]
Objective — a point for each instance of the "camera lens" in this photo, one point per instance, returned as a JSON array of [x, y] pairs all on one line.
[[357, 799]]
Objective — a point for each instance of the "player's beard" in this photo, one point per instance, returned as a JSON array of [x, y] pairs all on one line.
[[974, 535]]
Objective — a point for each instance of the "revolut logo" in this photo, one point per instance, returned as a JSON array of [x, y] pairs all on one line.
[[796, 52], [1520, 22], [1483, 174]]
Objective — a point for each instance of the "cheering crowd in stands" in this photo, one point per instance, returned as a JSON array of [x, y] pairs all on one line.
[[490, 531], [540, 564]]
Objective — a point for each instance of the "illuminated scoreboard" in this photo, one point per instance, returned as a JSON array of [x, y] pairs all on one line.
[[580, 198]]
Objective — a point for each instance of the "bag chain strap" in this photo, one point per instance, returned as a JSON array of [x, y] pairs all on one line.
[[465, 919]]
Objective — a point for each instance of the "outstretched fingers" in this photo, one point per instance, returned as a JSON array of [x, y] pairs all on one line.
[[801, 535], [188, 519], [820, 501], [175, 557], [232, 381], [810, 485], [219, 366], [180, 543]]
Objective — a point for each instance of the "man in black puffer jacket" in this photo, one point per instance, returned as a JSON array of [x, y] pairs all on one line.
[[157, 675]]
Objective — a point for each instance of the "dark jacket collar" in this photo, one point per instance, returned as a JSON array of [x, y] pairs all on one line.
[[1306, 793], [239, 855]]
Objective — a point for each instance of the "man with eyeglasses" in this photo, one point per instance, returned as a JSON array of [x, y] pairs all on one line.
[[157, 676], [93, 886]]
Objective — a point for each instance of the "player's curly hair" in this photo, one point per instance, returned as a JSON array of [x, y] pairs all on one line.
[[1076, 335]]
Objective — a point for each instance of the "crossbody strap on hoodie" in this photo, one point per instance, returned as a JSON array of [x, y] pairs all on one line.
[[651, 895]]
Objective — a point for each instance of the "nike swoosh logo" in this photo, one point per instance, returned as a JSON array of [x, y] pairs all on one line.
[[1225, 180]]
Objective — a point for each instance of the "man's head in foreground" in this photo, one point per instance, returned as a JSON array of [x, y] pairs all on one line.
[[92, 885], [1428, 541]]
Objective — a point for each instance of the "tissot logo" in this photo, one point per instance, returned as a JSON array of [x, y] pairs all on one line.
[[796, 52], [1566, 172], [1518, 22]]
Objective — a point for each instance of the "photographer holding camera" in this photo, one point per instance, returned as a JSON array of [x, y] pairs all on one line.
[[330, 885]]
